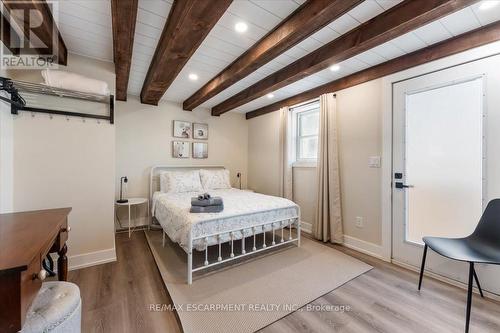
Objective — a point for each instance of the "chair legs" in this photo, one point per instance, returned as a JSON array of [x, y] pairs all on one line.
[[478, 285], [422, 268], [472, 277], [469, 297]]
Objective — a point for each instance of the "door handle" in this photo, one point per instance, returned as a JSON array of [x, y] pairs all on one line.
[[401, 185]]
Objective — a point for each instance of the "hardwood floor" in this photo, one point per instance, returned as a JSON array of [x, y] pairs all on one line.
[[117, 298]]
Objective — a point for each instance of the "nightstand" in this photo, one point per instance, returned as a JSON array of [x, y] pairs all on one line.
[[133, 202]]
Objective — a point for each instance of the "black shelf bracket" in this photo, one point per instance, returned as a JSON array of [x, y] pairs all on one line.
[[63, 93]]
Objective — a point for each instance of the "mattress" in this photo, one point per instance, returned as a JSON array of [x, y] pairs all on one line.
[[241, 209]]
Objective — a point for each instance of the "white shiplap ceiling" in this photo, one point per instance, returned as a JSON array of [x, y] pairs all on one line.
[[86, 27], [457, 23], [223, 44], [87, 30]]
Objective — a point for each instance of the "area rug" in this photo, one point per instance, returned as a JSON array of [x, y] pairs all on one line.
[[251, 294]]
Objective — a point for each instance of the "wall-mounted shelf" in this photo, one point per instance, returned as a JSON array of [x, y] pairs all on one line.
[[20, 87]]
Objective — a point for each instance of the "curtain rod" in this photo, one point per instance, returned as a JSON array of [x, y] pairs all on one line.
[[307, 102]]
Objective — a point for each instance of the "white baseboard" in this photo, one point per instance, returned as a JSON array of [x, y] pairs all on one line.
[[444, 279], [90, 259], [306, 227], [365, 247]]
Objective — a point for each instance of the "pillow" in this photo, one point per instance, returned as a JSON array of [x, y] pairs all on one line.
[[215, 179], [180, 181]]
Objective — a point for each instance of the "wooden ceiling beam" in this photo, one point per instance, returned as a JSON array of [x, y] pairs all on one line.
[[187, 25], [451, 46], [398, 20], [42, 26], [124, 16], [9, 36], [303, 22]]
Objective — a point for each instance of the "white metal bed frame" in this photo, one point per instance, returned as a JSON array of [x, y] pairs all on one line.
[[274, 225]]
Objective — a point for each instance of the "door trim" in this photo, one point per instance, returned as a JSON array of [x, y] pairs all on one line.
[[476, 54], [484, 183]]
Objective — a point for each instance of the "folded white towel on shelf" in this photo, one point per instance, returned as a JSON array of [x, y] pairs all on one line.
[[76, 82]]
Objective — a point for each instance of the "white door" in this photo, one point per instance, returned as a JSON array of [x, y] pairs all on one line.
[[438, 169]]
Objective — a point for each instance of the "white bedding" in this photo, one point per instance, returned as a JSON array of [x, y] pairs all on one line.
[[241, 209]]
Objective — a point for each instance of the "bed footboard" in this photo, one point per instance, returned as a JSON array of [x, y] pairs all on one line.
[[279, 235]]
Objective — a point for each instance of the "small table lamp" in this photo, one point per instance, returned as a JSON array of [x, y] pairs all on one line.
[[122, 180], [238, 175]]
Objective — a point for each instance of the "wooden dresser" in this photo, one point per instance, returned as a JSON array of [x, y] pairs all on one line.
[[25, 240]]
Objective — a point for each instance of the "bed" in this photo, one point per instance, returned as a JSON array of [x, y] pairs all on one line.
[[245, 216]]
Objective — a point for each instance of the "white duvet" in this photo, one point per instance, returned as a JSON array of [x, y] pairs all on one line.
[[241, 209]]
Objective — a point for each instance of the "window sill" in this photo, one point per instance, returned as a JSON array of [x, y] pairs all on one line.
[[303, 164]]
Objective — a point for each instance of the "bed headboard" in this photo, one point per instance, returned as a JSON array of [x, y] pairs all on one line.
[[154, 176]]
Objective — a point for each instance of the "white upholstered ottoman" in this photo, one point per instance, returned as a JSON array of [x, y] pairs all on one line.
[[56, 309]]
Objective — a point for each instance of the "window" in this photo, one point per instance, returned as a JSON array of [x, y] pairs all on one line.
[[306, 128]]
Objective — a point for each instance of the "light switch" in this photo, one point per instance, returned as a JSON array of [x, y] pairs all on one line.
[[374, 162]]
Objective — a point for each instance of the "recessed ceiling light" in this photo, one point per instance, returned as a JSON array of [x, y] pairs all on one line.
[[488, 4], [193, 77], [335, 68], [241, 27], [270, 95]]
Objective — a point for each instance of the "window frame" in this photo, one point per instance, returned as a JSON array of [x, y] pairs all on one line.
[[298, 112]]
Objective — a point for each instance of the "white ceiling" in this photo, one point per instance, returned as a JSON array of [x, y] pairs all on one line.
[[86, 29], [457, 23]]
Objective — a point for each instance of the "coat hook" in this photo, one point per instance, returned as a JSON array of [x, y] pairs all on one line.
[[67, 118], [50, 116], [32, 114]]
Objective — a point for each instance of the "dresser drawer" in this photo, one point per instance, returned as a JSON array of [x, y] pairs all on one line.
[[30, 284]]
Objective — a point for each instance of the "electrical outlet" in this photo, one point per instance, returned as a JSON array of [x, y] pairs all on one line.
[[359, 222]]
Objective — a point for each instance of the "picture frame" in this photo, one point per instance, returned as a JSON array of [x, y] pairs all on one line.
[[180, 149], [182, 129], [200, 131], [200, 150]]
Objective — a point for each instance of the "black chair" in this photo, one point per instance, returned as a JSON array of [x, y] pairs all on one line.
[[482, 246]]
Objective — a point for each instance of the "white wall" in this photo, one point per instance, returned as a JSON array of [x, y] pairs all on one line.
[[360, 136], [359, 112], [364, 118], [305, 194], [6, 153], [59, 162], [6, 157], [144, 138], [263, 154]]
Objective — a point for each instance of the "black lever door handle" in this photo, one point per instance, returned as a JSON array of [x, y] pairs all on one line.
[[401, 185]]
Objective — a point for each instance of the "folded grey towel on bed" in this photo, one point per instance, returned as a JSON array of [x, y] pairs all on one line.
[[207, 209], [215, 201]]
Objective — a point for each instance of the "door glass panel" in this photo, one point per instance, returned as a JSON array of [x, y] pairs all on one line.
[[444, 160]]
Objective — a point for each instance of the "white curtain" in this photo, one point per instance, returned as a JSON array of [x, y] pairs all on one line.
[[327, 224], [286, 154]]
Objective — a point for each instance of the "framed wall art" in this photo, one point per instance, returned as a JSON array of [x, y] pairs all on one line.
[[200, 131], [200, 150], [180, 149], [182, 129]]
